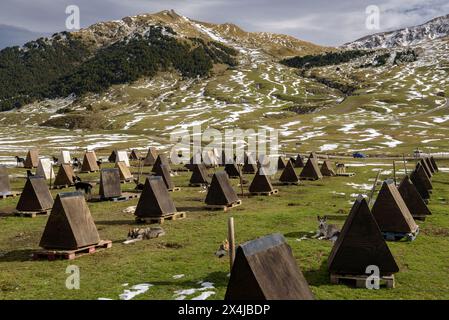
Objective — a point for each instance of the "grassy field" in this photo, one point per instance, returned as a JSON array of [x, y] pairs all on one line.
[[189, 244]]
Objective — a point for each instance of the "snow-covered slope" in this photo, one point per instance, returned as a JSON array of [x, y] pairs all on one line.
[[436, 28]]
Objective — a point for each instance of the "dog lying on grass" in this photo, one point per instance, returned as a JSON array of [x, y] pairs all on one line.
[[138, 234]]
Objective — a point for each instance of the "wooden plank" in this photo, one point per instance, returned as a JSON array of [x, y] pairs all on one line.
[[12, 194], [269, 193], [224, 207], [359, 281], [162, 219], [72, 254], [31, 214]]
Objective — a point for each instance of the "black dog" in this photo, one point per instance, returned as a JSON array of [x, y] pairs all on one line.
[[139, 186], [84, 186], [29, 174], [20, 160]]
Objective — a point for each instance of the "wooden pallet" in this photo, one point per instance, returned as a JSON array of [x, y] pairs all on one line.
[[62, 186], [51, 255], [124, 197], [12, 194], [289, 183], [397, 236], [224, 207], [174, 189], [345, 174], [269, 193], [359, 281], [197, 184], [161, 220], [31, 214]]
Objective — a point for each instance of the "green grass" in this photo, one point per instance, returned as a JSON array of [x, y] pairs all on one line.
[[189, 245]]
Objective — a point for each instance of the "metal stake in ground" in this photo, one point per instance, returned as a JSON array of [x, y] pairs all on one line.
[[374, 188], [405, 164], [231, 239], [394, 173]]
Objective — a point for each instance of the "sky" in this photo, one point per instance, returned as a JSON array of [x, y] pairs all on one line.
[[324, 22]]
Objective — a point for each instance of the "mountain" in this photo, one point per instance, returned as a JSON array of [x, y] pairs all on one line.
[[433, 29], [135, 81], [117, 52]]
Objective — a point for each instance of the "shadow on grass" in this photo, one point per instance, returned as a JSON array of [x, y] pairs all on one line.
[[318, 277], [116, 223], [299, 234], [18, 255]]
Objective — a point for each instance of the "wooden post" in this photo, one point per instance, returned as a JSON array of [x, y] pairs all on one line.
[[241, 178], [405, 163], [394, 173], [51, 174], [140, 170], [374, 188], [231, 240]]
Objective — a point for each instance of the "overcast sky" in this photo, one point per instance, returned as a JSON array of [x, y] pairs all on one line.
[[325, 22]]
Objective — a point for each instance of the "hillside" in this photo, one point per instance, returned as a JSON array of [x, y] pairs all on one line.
[[433, 29], [340, 103]]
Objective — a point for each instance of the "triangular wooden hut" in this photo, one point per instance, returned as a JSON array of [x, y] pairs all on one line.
[[281, 163], [232, 170], [249, 165], [125, 173], [311, 171], [429, 164], [265, 269], [162, 171], [261, 184], [161, 160], [64, 157], [220, 192], [434, 164], [419, 184], [421, 173], [36, 196], [361, 244], [65, 176], [299, 162], [5, 188], [199, 176], [288, 175], [90, 162], [32, 159], [151, 157], [113, 156], [122, 156], [426, 168], [391, 212], [134, 155], [155, 200], [110, 184], [70, 225], [45, 169], [327, 170], [413, 199]]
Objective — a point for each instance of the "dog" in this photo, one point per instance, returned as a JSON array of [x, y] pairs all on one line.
[[145, 234], [55, 160], [99, 163], [139, 186], [30, 174], [326, 231], [20, 160], [76, 163], [223, 249], [85, 187]]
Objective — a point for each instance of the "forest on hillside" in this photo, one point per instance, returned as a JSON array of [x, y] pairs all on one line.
[[65, 65]]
